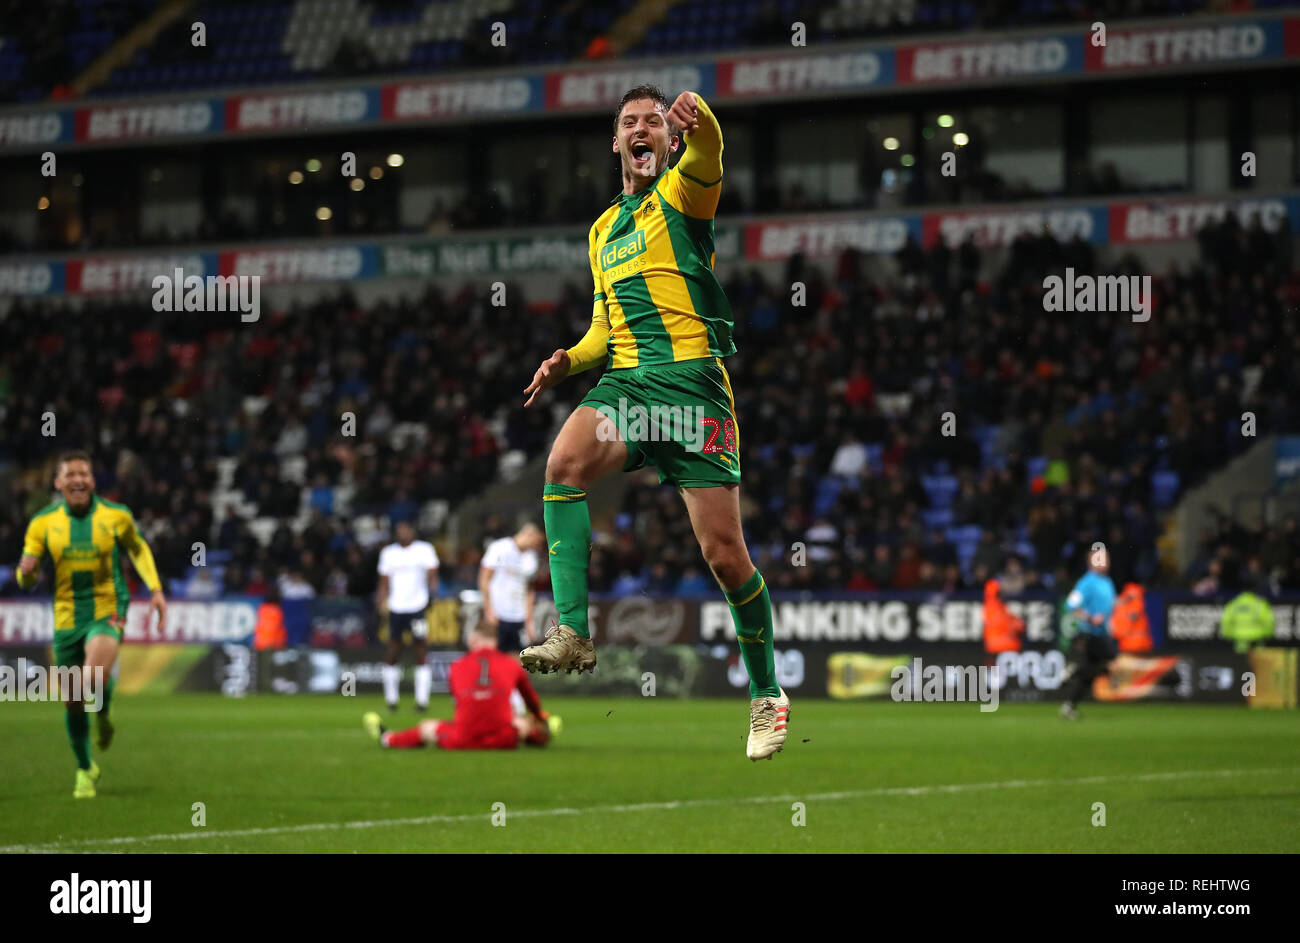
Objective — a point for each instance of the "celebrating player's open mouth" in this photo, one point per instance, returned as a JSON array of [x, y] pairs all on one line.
[[642, 157]]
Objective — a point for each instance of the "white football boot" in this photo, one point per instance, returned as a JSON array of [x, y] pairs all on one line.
[[768, 719]]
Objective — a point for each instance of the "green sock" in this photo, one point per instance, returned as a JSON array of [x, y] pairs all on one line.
[[107, 696], [751, 611], [568, 537], [79, 734]]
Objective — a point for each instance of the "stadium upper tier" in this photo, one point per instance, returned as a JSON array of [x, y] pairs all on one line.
[[46, 48]]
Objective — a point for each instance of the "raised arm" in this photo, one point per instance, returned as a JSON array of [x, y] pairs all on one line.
[[700, 168]]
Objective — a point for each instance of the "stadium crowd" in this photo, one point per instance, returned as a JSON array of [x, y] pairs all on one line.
[[923, 431]]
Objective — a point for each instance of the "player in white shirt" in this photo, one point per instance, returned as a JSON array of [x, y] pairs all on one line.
[[505, 578], [408, 580]]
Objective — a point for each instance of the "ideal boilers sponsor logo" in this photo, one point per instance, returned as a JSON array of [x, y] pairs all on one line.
[[164, 119], [46, 127], [87, 896], [36, 278], [304, 109], [603, 87], [852, 620], [412, 100], [998, 229], [1198, 45], [1168, 222], [807, 72], [1012, 58], [769, 241], [621, 253]]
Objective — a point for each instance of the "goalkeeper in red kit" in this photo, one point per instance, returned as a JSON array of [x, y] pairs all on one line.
[[481, 684]]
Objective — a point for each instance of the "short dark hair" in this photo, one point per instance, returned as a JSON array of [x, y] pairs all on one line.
[[644, 91], [74, 455]]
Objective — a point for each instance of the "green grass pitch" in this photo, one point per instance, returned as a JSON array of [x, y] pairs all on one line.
[[291, 774]]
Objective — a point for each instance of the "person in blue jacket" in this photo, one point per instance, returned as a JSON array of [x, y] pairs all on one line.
[[1090, 603]]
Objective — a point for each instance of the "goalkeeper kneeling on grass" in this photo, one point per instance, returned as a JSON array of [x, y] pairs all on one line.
[[482, 682]]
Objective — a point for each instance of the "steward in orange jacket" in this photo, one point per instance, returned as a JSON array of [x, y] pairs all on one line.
[[1002, 630], [269, 633], [1128, 620]]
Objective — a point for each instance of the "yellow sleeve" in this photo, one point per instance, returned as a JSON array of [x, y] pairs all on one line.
[[34, 542], [696, 185], [141, 555], [33, 546], [591, 350]]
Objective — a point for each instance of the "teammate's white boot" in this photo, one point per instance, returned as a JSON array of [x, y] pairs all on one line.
[[768, 720]]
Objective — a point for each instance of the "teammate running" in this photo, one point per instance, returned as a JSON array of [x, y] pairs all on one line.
[[84, 535], [660, 324], [481, 684]]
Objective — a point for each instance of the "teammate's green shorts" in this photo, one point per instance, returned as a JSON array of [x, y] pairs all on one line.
[[70, 644], [678, 417]]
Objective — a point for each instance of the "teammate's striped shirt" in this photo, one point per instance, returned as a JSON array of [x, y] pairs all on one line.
[[86, 549], [656, 297]]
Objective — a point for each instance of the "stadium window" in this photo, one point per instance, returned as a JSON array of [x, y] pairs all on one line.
[[1123, 161], [1275, 143]]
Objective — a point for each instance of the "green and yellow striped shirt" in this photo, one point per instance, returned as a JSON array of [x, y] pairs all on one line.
[[89, 584], [656, 298]]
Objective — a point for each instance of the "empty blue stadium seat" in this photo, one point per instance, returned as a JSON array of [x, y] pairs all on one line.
[[828, 490], [937, 518], [1164, 488], [940, 489]]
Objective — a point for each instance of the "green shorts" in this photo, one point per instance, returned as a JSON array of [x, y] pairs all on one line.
[[678, 417], [70, 644]]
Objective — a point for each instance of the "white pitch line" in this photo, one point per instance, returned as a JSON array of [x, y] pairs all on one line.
[[640, 807]]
